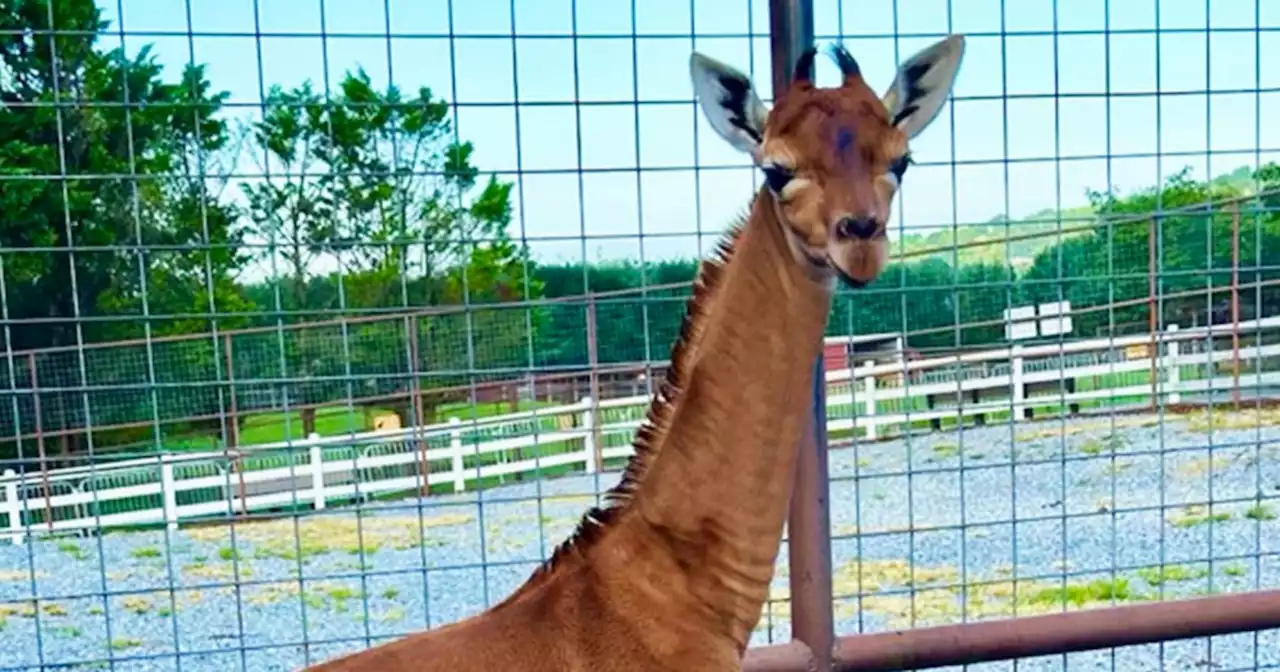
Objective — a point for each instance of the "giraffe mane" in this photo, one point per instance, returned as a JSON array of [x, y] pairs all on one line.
[[648, 442]]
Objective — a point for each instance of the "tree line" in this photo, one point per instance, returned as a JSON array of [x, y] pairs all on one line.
[[120, 219]]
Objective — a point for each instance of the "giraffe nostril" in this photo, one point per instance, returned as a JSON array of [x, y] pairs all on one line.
[[856, 227]]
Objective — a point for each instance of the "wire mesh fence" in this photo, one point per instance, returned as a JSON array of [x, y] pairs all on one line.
[[325, 321]]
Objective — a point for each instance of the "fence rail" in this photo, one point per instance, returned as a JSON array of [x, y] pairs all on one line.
[[869, 401]]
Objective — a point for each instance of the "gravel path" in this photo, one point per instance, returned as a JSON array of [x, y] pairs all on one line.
[[1101, 515]]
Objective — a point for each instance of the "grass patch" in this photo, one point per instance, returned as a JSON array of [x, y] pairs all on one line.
[[1260, 512], [945, 450], [335, 420], [53, 609], [125, 643], [329, 533], [28, 609], [1111, 443], [1193, 516], [396, 613], [1117, 467], [1220, 419], [1203, 465], [1082, 593], [339, 595], [146, 552], [907, 596], [136, 604], [228, 553], [390, 594], [23, 609], [1157, 576], [1235, 569], [227, 572], [72, 548]]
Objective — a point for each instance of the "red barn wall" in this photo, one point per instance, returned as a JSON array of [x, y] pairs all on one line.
[[835, 356]]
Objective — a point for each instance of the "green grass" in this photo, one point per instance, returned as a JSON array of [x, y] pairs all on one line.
[[335, 421], [1080, 594], [73, 549], [125, 643], [1234, 569], [1194, 516], [1260, 512], [466, 411], [146, 552], [944, 450], [1156, 576]]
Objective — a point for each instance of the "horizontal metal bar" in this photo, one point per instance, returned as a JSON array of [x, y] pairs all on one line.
[[793, 655], [1007, 639]]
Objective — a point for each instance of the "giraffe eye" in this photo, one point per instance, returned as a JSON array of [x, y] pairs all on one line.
[[899, 166], [777, 177]]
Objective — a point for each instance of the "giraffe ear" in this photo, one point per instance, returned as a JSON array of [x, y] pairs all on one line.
[[731, 104], [922, 85]]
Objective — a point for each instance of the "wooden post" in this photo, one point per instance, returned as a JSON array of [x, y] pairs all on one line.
[[39, 421], [232, 424], [415, 391]]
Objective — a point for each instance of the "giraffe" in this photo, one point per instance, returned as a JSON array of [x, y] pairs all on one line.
[[672, 572]]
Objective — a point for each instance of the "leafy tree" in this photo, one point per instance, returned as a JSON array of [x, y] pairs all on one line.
[[105, 170], [130, 147], [376, 180]]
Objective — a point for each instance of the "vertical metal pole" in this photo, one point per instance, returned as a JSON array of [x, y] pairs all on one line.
[[230, 426], [593, 361], [39, 422], [1235, 305], [809, 526], [1152, 322]]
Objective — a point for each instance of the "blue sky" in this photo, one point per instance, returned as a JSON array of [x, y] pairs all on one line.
[[1055, 145]]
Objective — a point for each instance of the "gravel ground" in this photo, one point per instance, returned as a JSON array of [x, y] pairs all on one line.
[[1101, 514]]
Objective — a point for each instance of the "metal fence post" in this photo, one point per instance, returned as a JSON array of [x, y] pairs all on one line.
[[809, 526]]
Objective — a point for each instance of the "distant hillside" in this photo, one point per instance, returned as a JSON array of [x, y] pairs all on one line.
[[1042, 225]]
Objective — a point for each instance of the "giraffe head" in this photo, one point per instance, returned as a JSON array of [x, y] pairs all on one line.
[[832, 158]]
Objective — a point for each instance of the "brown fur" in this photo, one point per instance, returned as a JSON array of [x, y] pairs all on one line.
[[647, 444], [672, 573], [830, 184]]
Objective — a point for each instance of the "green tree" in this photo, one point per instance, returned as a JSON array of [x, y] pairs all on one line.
[[108, 178], [82, 169], [376, 180]]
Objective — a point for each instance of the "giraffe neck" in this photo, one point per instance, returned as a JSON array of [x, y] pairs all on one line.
[[716, 498]]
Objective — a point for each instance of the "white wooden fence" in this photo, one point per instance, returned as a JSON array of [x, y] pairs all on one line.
[[867, 401]]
